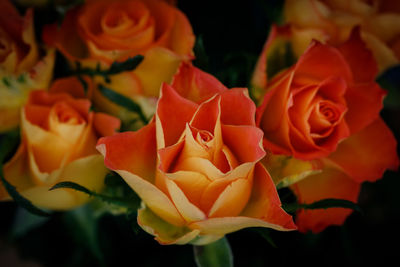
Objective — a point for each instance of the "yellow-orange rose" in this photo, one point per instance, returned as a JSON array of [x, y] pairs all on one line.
[[196, 165], [21, 68], [59, 136], [331, 21], [102, 31]]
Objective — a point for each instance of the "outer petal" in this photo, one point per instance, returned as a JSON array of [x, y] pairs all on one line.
[[237, 108], [164, 232], [173, 112], [159, 65], [364, 102], [359, 57], [196, 85], [331, 183], [366, 155], [134, 152]]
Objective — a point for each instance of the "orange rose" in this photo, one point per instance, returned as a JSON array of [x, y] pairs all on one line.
[[196, 165], [21, 68], [59, 136], [103, 31], [326, 108], [331, 21]]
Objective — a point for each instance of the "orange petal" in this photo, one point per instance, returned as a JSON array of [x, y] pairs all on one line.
[[364, 102], [245, 142], [134, 152], [182, 38], [264, 203], [330, 183], [105, 124], [359, 58], [207, 115], [195, 84], [237, 108], [310, 68], [173, 112], [72, 86], [366, 155]]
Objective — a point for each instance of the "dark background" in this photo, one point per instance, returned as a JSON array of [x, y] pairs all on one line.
[[232, 35]]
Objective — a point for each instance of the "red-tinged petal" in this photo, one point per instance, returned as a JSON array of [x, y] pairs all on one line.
[[310, 68], [72, 86], [207, 115], [359, 58], [66, 38], [264, 203], [366, 155], [330, 183], [134, 152], [237, 108], [245, 142], [173, 112], [195, 84], [364, 102], [277, 38], [182, 37], [105, 124]]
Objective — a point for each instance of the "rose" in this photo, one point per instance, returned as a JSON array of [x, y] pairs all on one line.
[[332, 21], [59, 136], [324, 108], [196, 165], [21, 68], [107, 31]]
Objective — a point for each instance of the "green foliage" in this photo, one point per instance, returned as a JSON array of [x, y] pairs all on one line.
[[216, 254], [323, 204], [123, 101], [114, 200], [116, 67]]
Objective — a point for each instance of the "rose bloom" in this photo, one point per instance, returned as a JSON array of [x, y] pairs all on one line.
[[331, 21], [21, 67], [196, 165], [325, 110], [59, 136], [103, 31]]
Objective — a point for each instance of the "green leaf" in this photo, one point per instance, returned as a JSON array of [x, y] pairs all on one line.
[[216, 254], [124, 202], [123, 101], [115, 68], [84, 226], [266, 234], [323, 204], [25, 222]]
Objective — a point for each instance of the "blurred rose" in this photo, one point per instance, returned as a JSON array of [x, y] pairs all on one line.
[[21, 68], [59, 136], [196, 165], [102, 31], [326, 108], [331, 21]]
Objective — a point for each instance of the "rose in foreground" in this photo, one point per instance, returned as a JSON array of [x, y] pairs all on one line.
[[21, 67], [332, 21], [325, 110], [196, 165], [101, 32], [59, 136]]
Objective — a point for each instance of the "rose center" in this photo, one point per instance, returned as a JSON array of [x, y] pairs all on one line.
[[67, 114], [324, 117]]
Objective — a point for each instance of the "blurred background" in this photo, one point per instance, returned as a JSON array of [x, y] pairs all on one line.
[[230, 35]]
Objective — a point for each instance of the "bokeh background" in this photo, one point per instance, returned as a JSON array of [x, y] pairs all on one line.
[[230, 36]]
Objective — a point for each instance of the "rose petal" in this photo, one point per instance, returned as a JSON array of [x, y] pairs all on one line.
[[195, 84], [134, 152], [330, 183], [173, 112], [237, 108], [359, 58], [366, 155]]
